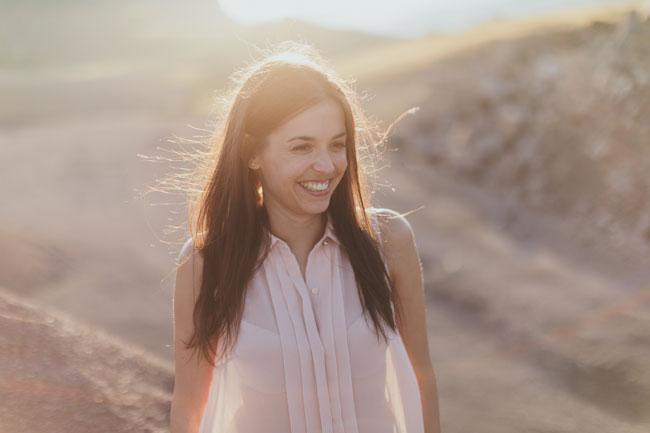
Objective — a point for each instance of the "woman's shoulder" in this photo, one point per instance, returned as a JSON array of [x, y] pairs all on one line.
[[187, 286], [187, 250], [189, 256], [396, 236], [392, 225]]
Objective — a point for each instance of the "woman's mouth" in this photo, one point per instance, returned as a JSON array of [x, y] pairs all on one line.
[[317, 189]]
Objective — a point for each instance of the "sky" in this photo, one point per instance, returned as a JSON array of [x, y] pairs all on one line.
[[404, 18]]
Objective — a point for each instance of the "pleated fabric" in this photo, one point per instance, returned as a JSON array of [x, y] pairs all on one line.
[[307, 360]]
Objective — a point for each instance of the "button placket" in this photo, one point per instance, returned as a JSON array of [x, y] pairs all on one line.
[[334, 392], [313, 336], [292, 353]]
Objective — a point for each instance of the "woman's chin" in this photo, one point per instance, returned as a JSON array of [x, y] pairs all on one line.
[[315, 208]]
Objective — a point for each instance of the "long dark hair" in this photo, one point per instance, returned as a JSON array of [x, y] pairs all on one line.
[[227, 218]]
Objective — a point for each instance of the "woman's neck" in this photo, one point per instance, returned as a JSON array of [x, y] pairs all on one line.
[[299, 233]]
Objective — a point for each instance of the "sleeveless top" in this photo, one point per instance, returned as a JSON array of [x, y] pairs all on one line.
[[306, 359]]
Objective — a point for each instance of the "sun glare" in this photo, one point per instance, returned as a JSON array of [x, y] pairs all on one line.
[[371, 16]]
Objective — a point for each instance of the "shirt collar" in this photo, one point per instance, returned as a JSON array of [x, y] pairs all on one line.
[[329, 233]]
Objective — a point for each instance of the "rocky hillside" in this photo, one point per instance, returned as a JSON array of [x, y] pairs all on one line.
[[58, 375], [556, 120]]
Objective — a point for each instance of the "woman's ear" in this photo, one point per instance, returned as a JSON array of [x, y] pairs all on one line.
[[254, 163], [251, 152]]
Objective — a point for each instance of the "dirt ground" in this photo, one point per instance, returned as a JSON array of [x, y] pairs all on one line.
[[529, 330]]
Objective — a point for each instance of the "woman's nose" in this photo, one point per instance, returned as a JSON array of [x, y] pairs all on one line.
[[324, 163]]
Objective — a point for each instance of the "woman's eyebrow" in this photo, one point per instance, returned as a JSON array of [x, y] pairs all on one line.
[[308, 138]]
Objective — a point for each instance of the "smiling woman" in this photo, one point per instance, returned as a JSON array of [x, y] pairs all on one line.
[[283, 290], [311, 165]]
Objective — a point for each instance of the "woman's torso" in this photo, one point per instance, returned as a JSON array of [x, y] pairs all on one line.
[[306, 359]]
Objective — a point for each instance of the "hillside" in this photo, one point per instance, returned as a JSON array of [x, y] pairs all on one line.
[[556, 119], [58, 375]]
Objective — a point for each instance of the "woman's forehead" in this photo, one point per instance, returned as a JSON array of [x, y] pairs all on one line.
[[323, 121]]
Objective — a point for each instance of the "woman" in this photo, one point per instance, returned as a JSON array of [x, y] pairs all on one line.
[[301, 318]]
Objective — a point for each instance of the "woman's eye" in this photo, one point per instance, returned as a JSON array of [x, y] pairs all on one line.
[[306, 146]]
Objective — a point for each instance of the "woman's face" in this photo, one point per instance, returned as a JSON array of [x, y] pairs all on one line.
[[302, 156]]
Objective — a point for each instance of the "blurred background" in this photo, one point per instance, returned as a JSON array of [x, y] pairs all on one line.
[[527, 167]]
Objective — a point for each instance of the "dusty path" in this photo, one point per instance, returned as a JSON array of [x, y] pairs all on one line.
[[531, 329]]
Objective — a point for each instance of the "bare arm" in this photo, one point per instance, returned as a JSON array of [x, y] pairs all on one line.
[[406, 271], [191, 378]]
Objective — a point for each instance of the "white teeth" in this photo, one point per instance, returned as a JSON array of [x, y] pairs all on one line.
[[316, 186]]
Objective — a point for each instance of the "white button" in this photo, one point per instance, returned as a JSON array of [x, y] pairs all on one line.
[[314, 290], [325, 242]]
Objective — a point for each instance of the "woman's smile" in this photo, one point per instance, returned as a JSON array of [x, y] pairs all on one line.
[[317, 188]]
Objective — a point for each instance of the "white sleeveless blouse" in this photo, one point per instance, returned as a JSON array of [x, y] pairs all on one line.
[[306, 360]]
